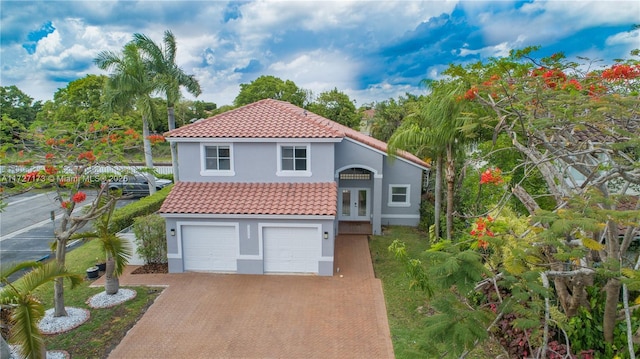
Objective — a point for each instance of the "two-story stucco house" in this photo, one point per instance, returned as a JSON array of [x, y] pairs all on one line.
[[264, 187]]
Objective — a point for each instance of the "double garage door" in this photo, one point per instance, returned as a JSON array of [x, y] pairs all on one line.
[[215, 248]]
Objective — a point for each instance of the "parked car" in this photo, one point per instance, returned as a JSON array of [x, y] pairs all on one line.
[[136, 185]]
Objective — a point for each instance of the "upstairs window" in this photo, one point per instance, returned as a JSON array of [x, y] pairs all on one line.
[[217, 160], [294, 160]]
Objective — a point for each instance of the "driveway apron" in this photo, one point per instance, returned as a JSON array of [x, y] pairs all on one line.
[[204, 315]]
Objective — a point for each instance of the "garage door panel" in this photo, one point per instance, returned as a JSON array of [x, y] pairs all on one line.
[[209, 248], [291, 249]]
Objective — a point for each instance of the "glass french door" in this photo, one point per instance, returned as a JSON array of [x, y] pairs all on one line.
[[354, 204]]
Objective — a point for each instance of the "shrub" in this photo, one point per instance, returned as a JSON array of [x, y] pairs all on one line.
[[124, 217], [151, 238]]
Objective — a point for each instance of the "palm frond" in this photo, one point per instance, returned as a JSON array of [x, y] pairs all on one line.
[[26, 316]]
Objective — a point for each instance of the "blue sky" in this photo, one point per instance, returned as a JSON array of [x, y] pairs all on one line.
[[371, 50]]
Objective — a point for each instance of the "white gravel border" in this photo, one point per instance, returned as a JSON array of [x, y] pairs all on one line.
[[51, 354], [56, 325], [104, 300]]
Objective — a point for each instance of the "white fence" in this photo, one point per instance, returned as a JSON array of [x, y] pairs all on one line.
[[94, 170]]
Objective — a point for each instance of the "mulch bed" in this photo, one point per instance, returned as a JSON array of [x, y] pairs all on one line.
[[152, 268]]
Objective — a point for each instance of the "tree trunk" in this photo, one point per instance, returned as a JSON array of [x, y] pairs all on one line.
[[148, 157], [451, 181], [111, 283], [174, 147], [58, 287], [438, 197], [612, 289]]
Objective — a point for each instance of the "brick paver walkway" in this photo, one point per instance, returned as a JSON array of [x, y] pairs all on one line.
[[202, 315]]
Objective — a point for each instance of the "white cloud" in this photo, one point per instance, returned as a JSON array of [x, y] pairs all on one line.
[[317, 71]]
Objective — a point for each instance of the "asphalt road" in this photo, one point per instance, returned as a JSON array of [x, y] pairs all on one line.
[[26, 228]]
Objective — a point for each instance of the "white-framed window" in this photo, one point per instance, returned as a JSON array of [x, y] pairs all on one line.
[[216, 159], [399, 195], [294, 160]]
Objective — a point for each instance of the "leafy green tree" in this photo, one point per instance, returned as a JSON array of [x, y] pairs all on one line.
[[336, 106], [26, 310], [131, 84], [161, 60], [389, 115], [268, 86], [576, 132], [17, 105], [577, 129], [78, 104], [17, 111]]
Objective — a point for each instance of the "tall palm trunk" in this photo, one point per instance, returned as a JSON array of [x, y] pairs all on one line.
[[112, 283], [174, 147], [438, 196], [451, 178], [148, 157]]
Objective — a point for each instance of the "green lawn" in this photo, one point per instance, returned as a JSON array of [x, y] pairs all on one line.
[[106, 327], [407, 308]]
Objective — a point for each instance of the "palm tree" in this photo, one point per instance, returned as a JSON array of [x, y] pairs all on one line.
[[435, 131], [26, 310], [117, 251], [131, 84], [170, 77]]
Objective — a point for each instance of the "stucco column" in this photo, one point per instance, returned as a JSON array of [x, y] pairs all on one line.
[[376, 221]]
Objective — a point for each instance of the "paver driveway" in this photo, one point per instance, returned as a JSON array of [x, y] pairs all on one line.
[[202, 315]]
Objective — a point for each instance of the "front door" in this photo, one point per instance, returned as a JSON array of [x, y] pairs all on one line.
[[354, 204]]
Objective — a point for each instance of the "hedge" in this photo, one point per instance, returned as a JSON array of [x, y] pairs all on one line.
[[124, 217]]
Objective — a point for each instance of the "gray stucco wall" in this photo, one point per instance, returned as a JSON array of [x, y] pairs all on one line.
[[393, 171], [397, 172], [250, 260], [256, 162]]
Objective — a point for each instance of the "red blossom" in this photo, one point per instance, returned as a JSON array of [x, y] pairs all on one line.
[[572, 84], [49, 156], [65, 204], [89, 156], [50, 142], [155, 139], [21, 153], [49, 169], [621, 72], [481, 231], [553, 77], [79, 197], [491, 176]]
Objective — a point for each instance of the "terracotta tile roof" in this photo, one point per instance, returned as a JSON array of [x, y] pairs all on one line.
[[262, 119], [252, 198], [277, 119]]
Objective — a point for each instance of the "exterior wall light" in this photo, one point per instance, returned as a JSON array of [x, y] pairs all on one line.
[[172, 231], [326, 235]]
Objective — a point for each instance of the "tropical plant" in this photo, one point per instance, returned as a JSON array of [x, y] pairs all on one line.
[[577, 132], [169, 77], [131, 84], [26, 310], [117, 250], [435, 131], [150, 231]]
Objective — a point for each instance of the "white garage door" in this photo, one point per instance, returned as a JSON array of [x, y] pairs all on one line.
[[291, 249], [209, 248]]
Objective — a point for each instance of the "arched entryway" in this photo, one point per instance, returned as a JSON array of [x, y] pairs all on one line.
[[355, 200]]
